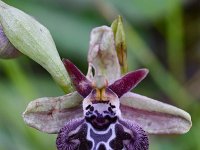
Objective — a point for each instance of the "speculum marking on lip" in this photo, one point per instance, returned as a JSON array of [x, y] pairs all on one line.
[[121, 135]]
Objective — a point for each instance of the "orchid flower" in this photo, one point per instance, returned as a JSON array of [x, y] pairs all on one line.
[[103, 113]]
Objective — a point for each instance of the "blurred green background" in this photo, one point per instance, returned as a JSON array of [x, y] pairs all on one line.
[[163, 36]]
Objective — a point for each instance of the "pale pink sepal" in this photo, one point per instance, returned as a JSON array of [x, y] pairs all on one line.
[[153, 116], [49, 114]]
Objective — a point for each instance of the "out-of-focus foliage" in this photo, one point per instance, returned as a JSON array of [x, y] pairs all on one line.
[[163, 36]]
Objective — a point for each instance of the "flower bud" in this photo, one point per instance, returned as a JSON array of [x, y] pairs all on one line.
[[120, 43], [34, 40], [7, 50]]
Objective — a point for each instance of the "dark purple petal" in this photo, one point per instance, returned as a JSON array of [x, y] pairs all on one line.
[[128, 82], [81, 83], [139, 139], [73, 136]]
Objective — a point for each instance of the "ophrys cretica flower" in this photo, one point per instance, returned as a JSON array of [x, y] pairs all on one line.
[[102, 126], [102, 112]]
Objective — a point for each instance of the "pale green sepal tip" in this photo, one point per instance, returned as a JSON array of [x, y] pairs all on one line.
[[120, 43], [34, 40]]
